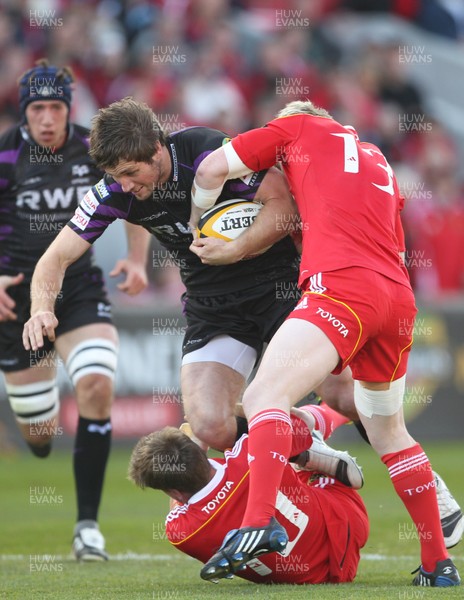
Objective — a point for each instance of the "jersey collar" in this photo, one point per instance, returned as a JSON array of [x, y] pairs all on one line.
[[209, 487]]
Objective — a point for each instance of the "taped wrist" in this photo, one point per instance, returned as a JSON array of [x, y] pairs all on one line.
[[205, 198]]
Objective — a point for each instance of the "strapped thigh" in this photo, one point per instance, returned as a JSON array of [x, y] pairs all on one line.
[[96, 355], [34, 402]]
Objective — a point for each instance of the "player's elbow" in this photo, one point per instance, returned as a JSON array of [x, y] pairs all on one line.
[[214, 166]]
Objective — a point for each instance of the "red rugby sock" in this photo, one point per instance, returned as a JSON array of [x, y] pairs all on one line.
[[412, 477], [269, 445], [327, 419]]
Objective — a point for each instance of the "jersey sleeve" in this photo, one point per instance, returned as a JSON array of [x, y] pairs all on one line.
[[244, 188], [10, 144], [209, 140], [98, 209], [198, 142], [262, 148]]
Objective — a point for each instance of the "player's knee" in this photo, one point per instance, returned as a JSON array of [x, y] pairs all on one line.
[[212, 429], [94, 394], [204, 424], [94, 356], [35, 406], [91, 366]]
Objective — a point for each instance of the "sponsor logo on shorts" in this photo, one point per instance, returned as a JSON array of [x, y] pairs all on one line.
[[325, 314], [102, 190], [194, 341], [104, 310], [80, 219], [89, 203], [8, 362]]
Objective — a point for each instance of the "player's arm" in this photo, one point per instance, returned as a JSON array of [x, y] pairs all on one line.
[[134, 266], [7, 303], [271, 225], [254, 150], [7, 176], [211, 175], [46, 284]]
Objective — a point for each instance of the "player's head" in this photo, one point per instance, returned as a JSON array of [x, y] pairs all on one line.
[[45, 94], [125, 131], [169, 460], [303, 107]]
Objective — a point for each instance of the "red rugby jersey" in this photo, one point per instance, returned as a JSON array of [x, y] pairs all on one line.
[[346, 192], [321, 520]]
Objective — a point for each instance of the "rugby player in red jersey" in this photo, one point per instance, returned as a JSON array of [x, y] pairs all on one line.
[[325, 519], [357, 309]]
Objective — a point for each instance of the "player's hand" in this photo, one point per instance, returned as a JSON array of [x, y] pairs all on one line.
[[7, 303], [42, 324], [212, 251], [136, 276]]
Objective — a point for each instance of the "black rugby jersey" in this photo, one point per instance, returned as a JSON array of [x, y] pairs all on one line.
[[166, 213], [39, 192]]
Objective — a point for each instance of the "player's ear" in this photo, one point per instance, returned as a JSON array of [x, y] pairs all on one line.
[[158, 150]]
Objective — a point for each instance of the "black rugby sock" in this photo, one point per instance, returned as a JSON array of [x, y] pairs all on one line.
[[91, 450], [242, 427], [362, 432], [40, 451]]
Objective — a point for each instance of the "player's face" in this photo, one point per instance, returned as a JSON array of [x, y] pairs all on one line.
[[47, 122], [141, 178]]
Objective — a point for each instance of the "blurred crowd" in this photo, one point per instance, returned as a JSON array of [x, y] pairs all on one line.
[[232, 64]]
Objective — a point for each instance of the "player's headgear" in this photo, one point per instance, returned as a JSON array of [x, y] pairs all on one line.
[[45, 82]]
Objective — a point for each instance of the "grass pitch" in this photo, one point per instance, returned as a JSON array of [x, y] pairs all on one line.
[[37, 512]]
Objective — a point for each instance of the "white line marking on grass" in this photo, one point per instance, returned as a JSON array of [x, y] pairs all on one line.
[[122, 556]]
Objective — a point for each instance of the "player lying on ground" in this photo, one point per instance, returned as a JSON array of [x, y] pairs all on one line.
[[325, 520]]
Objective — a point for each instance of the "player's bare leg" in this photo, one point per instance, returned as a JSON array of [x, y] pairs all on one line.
[[210, 391], [338, 393], [90, 355], [297, 360]]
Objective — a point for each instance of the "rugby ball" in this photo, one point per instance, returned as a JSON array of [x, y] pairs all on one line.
[[228, 219]]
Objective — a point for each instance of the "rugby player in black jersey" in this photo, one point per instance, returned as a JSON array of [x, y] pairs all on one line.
[[232, 309], [44, 171]]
